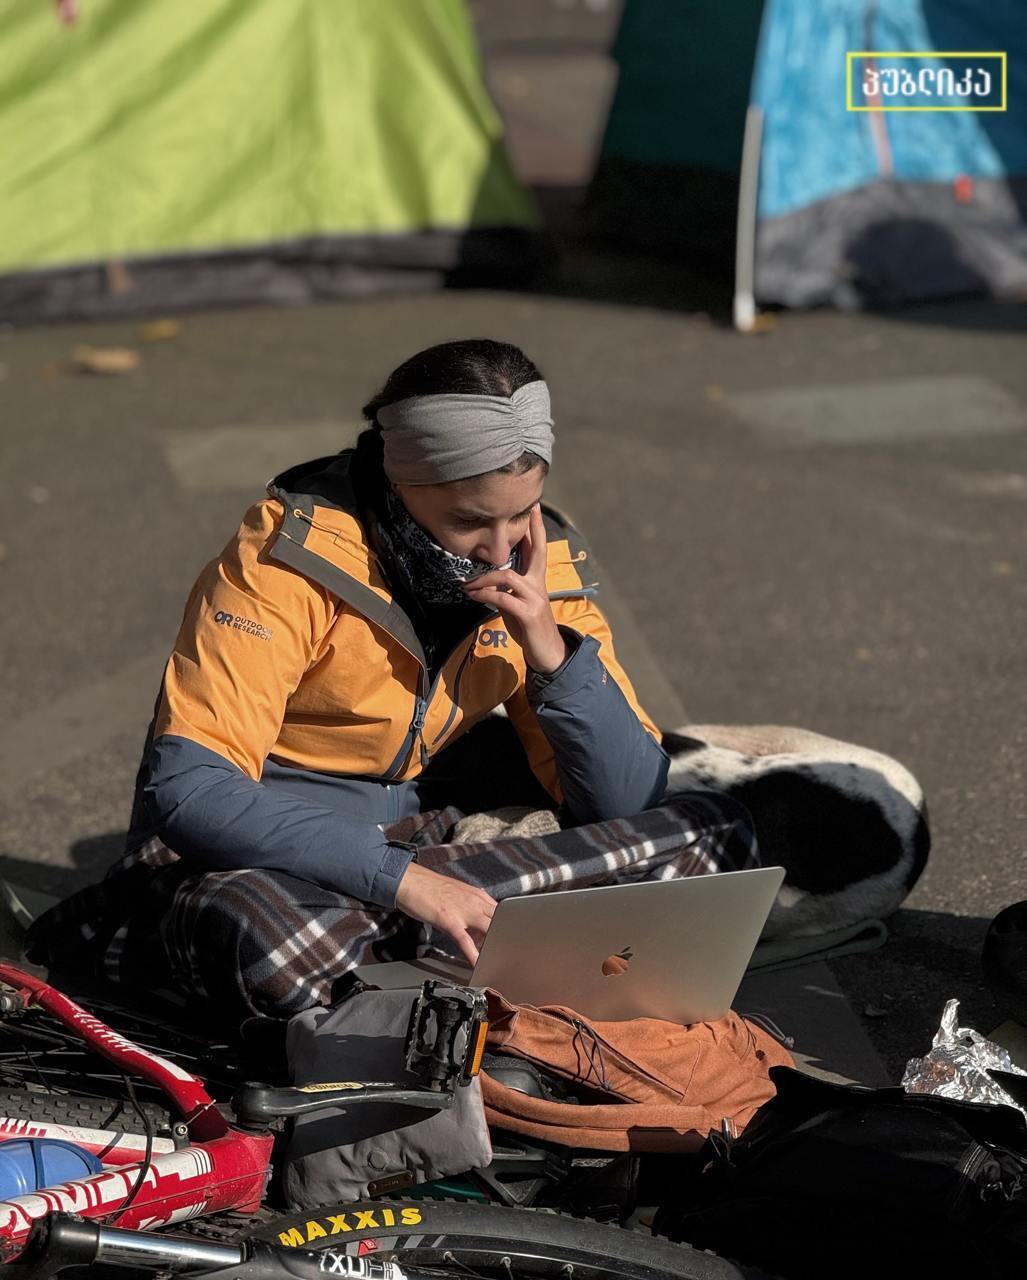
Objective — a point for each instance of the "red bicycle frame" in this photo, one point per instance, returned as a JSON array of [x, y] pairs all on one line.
[[109, 1147], [222, 1168]]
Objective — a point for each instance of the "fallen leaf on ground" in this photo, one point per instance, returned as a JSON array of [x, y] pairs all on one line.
[[160, 330], [105, 359]]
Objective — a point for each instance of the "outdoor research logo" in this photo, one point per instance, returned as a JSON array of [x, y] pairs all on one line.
[[914, 80], [242, 624], [492, 639]]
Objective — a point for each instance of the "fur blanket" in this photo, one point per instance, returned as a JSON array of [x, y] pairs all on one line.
[[849, 825]]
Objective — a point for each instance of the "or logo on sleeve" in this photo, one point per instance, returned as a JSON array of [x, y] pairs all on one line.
[[239, 623], [492, 639]]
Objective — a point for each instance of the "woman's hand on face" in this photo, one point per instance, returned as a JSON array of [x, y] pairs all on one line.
[[521, 596], [459, 910]]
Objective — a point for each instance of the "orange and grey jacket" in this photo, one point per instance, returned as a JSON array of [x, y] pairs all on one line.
[[297, 710]]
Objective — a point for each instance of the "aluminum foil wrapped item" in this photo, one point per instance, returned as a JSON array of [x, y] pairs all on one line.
[[958, 1065]]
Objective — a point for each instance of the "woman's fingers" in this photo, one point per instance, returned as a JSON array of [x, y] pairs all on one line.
[[470, 913], [466, 944], [462, 911], [533, 547], [527, 554], [498, 578], [486, 912], [505, 589], [470, 934], [503, 601], [535, 538]]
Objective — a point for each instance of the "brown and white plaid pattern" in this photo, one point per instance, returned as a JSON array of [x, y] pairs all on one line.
[[249, 943]]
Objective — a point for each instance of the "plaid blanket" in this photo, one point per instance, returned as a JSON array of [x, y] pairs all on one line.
[[264, 943]]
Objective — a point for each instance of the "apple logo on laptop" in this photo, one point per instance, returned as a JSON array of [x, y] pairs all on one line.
[[614, 966]]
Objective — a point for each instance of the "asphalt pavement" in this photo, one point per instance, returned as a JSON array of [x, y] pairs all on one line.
[[823, 524]]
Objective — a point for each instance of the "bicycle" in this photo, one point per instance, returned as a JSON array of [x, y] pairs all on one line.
[[206, 1151]]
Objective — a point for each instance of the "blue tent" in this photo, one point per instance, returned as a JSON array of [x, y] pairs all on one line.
[[761, 132]]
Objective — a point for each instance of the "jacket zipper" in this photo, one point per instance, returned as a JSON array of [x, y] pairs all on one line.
[[422, 703], [417, 727], [467, 658]]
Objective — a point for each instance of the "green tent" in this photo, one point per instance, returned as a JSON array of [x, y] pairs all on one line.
[[182, 152]]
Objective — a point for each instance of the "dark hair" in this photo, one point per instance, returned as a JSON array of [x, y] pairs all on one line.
[[475, 366]]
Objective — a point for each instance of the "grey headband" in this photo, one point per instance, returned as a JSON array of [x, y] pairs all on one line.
[[432, 439]]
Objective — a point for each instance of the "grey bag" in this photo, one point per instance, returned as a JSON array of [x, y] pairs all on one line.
[[375, 1147]]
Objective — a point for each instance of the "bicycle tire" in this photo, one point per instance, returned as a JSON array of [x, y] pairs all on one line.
[[465, 1235], [80, 1112]]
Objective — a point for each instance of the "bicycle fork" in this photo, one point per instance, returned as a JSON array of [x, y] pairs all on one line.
[[67, 1241]]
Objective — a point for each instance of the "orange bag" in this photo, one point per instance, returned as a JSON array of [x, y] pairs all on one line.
[[645, 1084]]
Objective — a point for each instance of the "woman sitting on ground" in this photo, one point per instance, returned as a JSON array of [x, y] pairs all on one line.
[[290, 823]]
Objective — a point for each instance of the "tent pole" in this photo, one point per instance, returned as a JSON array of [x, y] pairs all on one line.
[[745, 238]]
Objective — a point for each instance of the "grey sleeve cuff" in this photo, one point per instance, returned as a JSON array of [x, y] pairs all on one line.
[[385, 885]]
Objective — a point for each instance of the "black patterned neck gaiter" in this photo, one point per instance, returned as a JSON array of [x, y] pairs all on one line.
[[432, 573]]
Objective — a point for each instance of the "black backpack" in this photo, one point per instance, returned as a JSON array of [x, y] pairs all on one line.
[[843, 1181], [1004, 960]]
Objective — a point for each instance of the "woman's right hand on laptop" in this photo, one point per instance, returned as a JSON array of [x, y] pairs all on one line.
[[459, 910]]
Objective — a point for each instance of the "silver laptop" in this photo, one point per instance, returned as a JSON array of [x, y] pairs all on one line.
[[674, 949]]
